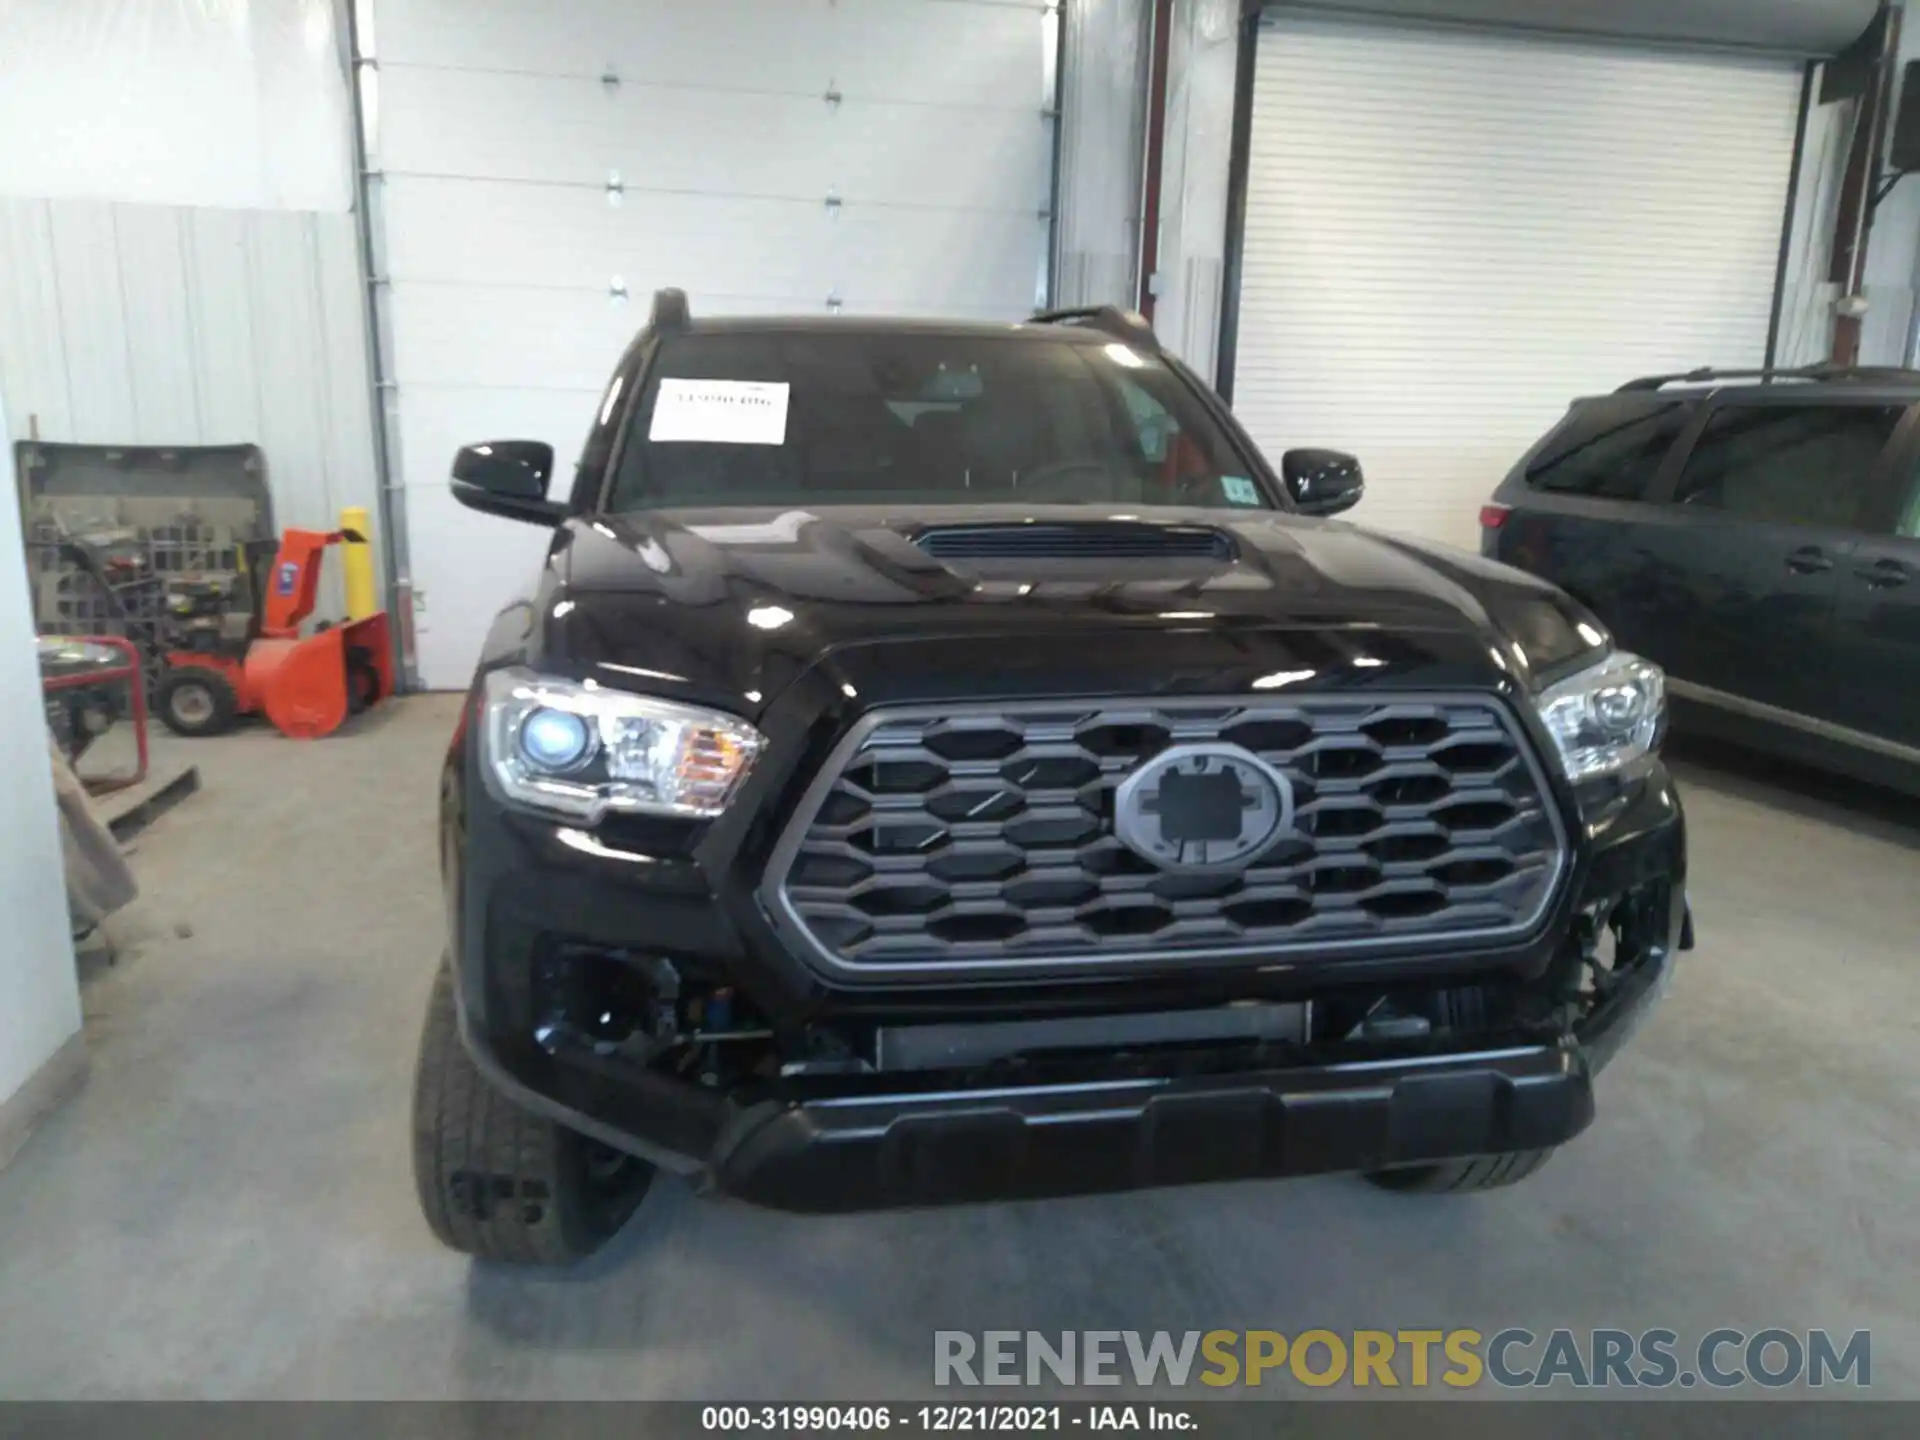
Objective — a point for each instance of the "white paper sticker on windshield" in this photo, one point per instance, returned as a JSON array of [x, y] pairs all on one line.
[[721, 412]]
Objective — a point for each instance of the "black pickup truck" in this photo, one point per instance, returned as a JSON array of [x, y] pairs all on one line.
[[944, 762]]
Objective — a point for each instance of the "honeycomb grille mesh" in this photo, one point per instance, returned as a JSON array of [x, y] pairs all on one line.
[[988, 837]]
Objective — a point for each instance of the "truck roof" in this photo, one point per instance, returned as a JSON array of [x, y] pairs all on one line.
[[1094, 324]]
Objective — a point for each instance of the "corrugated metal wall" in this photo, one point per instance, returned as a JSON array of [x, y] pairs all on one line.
[[1892, 326], [1807, 296], [167, 325], [1893, 253], [1201, 71], [1103, 124]]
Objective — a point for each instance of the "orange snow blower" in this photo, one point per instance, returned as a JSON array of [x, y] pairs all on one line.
[[306, 685]]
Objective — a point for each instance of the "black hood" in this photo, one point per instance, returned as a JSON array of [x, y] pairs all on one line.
[[732, 605]]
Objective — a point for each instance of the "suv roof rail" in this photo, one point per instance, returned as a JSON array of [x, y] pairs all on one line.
[[1766, 376], [670, 312], [1128, 325]]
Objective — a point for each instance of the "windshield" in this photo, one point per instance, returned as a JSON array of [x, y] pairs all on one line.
[[869, 418]]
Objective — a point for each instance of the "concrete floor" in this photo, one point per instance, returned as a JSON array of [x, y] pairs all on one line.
[[226, 1210]]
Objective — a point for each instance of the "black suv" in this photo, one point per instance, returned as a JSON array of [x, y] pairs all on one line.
[[942, 762], [1758, 535]]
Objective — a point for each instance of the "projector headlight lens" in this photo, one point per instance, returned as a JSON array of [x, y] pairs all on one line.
[[555, 740], [1606, 717]]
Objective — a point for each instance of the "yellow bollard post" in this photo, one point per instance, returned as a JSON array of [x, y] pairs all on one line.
[[363, 596]]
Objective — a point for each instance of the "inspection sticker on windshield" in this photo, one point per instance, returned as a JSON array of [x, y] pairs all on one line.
[[1240, 490], [722, 412]]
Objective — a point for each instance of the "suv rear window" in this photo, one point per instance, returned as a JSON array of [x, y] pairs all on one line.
[[1789, 464], [1610, 447], [855, 417]]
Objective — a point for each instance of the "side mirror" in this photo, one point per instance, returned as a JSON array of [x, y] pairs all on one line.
[[507, 477], [1322, 482]]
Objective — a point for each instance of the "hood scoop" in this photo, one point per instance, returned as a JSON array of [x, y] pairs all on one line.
[[1101, 540]]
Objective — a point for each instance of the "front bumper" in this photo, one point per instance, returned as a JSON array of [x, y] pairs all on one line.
[[863, 1152], [870, 1151], [875, 1148], [1096, 1124]]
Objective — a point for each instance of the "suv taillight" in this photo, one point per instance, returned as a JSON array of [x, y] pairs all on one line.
[[1492, 517]]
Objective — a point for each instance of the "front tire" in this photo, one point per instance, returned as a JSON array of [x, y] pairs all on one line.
[[1464, 1011], [498, 1182], [1456, 1177], [194, 701]]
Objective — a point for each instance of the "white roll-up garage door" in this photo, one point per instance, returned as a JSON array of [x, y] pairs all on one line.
[[1451, 233], [871, 156]]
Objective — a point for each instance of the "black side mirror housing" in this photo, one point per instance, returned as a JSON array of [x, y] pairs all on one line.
[[1322, 482], [508, 478]]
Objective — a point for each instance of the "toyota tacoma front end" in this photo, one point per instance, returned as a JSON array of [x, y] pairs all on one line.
[[944, 763]]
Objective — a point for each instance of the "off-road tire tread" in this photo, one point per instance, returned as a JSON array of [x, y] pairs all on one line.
[[469, 1138]]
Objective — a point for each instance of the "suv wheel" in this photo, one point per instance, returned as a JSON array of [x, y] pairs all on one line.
[[1488, 1172], [499, 1182]]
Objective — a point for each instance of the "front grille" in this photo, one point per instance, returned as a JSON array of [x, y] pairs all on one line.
[[1076, 542], [938, 843]]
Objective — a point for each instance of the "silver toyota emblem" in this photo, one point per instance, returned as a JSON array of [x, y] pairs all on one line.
[[1203, 807]]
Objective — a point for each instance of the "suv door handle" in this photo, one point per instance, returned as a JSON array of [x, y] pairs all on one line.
[[1884, 573], [1808, 560]]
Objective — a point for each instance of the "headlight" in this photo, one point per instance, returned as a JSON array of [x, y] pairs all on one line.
[[583, 751], [1607, 716]]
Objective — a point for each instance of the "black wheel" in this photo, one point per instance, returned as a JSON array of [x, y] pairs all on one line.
[[192, 700], [363, 680], [1487, 1172], [498, 1182]]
